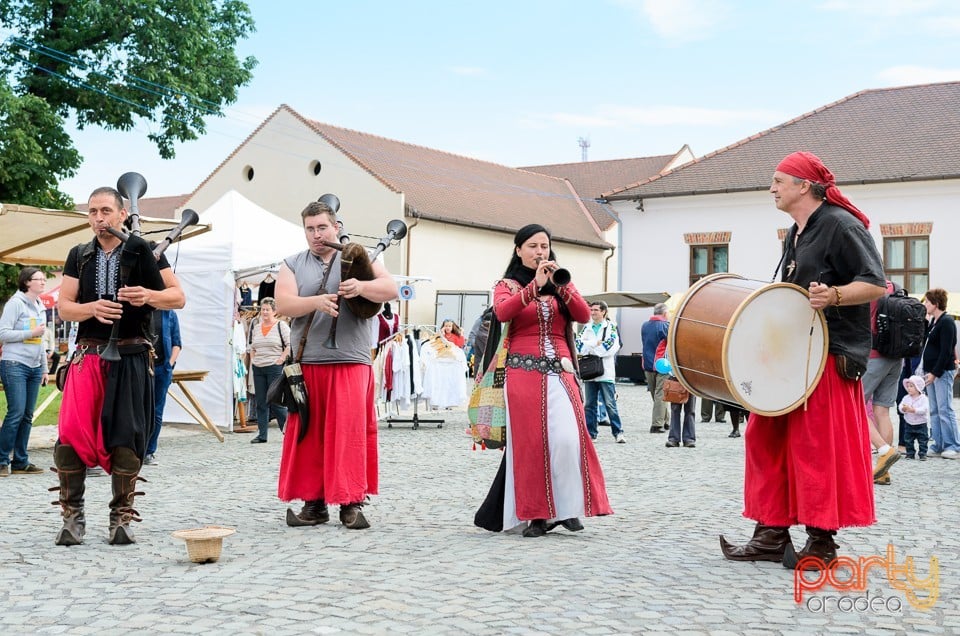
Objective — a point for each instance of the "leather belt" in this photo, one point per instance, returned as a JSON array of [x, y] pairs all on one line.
[[96, 342], [531, 362]]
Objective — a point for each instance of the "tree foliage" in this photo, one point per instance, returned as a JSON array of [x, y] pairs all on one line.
[[111, 64], [169, 62], [35, 151]]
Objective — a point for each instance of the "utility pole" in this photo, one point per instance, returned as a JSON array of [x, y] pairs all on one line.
[[584, 145]]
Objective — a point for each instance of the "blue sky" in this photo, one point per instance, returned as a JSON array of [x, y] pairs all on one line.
[[518, 82]]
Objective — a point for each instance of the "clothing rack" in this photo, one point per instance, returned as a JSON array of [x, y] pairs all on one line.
[[416, 419]]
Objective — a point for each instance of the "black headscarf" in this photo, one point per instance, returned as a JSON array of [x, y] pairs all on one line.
[[519, 272]]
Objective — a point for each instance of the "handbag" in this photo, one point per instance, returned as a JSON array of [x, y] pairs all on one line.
[[591, 367], [487, 409], [674, 392]]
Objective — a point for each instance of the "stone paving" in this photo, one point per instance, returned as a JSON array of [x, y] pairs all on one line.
[[653, 567]]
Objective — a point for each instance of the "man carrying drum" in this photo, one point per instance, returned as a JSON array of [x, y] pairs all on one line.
[[812, 466]]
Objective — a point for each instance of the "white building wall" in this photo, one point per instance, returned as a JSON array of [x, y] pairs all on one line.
[[656, 258], [458, 258], [281, 155]]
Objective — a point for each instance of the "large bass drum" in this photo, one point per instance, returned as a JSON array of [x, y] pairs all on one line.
[[756, 344]]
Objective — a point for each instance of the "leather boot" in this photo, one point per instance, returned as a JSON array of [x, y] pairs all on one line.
[[819, 551], [537, 528], [351, 516], [313, 513], [768, 544], [72, 473], [125, 472]]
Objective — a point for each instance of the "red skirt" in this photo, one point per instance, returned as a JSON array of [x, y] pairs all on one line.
[[337, 461], [812, 466]]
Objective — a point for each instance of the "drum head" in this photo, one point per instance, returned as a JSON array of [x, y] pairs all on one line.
[[775, 350]]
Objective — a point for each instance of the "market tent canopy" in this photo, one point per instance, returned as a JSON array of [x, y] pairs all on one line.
[[36, 236], [628, 299]]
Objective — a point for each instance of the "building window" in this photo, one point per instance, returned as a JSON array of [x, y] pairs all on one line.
[[706, 260], [463, 307], [906, 261]]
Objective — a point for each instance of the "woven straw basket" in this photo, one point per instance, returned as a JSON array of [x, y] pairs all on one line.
[[204, 544]]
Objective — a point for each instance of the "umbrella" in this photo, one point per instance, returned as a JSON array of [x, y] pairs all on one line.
[[628, 299], [35, 236]]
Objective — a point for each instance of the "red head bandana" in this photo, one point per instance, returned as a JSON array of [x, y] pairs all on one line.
[[806, 165]]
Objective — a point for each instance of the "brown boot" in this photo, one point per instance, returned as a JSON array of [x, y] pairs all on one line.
[[768, 544], [125, 471], [72, 473], [313, 513], [819, 551], [352, 517]]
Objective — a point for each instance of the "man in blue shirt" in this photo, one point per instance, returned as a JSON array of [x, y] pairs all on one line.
[[654, 336], [166, 329]]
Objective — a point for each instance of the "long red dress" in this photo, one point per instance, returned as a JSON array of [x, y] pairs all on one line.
[[552, 467]]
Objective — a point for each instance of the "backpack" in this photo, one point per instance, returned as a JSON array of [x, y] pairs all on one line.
[[901, 325]]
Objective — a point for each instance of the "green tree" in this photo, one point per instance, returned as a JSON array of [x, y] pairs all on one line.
[[35, 151], [112, 64]]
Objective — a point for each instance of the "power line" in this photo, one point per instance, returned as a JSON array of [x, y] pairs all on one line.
[[359, 149]]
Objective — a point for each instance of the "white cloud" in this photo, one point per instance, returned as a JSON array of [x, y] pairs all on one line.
[[905, 75], [468, 70], [679, 20]]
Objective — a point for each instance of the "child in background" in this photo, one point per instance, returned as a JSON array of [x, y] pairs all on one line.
[[915, 409]]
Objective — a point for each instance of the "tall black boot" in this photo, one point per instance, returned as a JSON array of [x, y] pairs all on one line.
[[820, 548], [72, 473], [125, 471], [768, 544]]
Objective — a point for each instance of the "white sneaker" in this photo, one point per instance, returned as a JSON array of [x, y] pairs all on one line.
[[948, 454], [619, 439], [150, 460]]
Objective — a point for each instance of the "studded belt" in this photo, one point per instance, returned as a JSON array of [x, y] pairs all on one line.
[[531, 362]]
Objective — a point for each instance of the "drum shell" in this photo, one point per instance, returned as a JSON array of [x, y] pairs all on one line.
[[709, 362]]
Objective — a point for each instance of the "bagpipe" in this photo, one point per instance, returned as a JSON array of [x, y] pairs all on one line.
[[137, 254], [356, 262]]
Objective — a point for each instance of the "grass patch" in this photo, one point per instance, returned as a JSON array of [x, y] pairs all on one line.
[[49, 415]]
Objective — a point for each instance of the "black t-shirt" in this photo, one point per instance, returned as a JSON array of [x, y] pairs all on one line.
[[835, 249], [81, 264]]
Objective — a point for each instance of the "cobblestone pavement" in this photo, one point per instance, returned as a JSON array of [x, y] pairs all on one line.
[[653, 567]]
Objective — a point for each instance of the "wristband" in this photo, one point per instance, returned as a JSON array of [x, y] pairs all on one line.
[[839, 295]]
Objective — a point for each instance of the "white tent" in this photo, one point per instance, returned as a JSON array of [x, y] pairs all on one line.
[[243, 237]]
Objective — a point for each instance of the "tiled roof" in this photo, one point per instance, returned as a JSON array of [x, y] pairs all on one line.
[[592, 178], [154, 207], [909, 133], [451, 188]]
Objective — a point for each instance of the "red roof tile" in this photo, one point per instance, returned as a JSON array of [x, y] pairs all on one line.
[[592, 178], [909, 133]]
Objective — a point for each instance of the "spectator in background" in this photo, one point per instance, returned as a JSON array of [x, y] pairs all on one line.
[[712, 408], [477, 340], [451, 331], [23, 368], [600, 338], [269, 344], [939, 367], [654, 333], [166, 348]]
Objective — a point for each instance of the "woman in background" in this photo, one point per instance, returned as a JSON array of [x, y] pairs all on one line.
[[23, 368], [269, 347]]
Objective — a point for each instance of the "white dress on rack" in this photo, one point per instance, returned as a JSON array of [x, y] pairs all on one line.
[[444, 374]]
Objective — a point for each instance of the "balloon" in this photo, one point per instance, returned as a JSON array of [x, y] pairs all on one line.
[[663, 366]]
